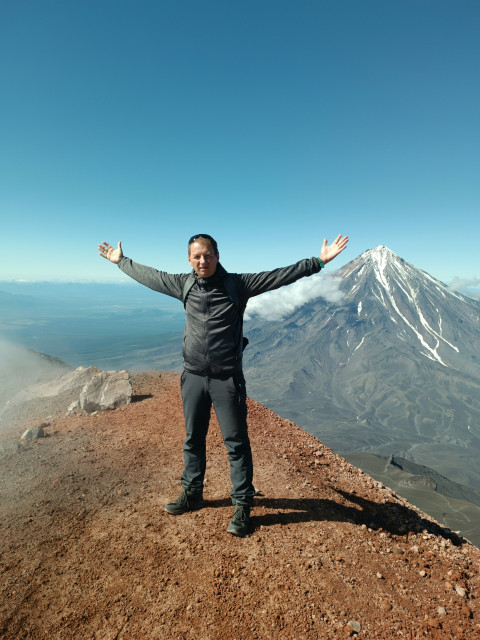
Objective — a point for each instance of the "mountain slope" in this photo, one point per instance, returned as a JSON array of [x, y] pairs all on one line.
[[454, 505], [87, 551], [394, 368]]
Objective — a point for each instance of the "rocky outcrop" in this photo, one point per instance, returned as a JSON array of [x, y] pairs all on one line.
[[418, 481], [88, 389], [391, 462], [106, 390], [67, 384]]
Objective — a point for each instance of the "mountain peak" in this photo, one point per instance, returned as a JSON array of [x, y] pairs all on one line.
[[380, 249], [416, 307], [380, 254], [377, 258]]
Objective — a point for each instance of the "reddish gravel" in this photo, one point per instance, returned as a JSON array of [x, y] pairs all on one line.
[[87, 551]]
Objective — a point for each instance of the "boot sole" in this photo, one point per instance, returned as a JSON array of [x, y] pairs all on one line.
[[180, 511], [237, 532]]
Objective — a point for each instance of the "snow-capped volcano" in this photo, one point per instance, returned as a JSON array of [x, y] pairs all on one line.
[[422, 311], [392, 368]]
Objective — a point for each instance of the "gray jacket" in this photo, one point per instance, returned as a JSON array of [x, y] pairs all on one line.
[[212, 342]]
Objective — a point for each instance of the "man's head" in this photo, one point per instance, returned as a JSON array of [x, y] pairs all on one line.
[[203, 255]]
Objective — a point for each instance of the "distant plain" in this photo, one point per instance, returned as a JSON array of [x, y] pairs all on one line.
[[110, 326]]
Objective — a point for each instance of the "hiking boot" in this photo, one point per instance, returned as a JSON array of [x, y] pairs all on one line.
[[241, 519], [186, 501]]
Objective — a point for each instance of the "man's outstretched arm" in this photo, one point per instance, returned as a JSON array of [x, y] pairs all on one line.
[[169, 284], [330, 252], [109, 253]]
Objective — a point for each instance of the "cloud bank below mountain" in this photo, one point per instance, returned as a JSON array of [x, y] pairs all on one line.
[[276, 305], [469, 287]]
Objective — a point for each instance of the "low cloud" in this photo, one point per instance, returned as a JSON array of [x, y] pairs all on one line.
[[20, 367], [463, 283], [276, 305]]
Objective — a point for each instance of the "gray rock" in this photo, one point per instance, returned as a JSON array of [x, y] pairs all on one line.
[[33, 433], [356, 626], [73, 407], [69, 382], [106, 390], [47, 397]]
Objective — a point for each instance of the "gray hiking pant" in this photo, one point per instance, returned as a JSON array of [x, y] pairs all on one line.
[[229, 398]]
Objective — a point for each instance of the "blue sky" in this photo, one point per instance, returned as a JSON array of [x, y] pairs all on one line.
[[268, 124]]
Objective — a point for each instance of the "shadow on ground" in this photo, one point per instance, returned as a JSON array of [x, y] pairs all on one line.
[[392, 517]]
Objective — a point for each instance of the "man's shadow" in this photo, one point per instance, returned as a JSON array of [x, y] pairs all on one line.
[[391, 517]]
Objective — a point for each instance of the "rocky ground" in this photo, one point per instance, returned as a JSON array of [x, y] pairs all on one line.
[[87, 551]]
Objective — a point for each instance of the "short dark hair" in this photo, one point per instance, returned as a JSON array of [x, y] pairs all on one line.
[[205, 236]]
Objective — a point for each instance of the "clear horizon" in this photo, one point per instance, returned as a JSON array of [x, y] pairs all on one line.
[[268, 125]]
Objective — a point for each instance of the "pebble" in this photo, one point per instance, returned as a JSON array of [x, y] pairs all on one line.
[[355, 626], [461, 591], [442, 611]]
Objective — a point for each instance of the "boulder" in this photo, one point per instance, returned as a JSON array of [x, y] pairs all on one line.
[[106, 390], [46, 398], [68, 384], [33, 433]]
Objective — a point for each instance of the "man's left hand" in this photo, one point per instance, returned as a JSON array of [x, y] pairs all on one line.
[[330, 252]]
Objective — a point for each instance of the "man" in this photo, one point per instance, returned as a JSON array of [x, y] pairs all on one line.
[[212, 352]]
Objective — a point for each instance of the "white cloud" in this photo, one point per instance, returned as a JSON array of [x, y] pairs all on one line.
[[463, 283], [275, 305]]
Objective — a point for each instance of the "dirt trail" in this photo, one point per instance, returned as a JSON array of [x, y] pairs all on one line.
[[87, 551]]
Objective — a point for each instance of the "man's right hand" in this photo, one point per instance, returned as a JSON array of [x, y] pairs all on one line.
[[109, 253]]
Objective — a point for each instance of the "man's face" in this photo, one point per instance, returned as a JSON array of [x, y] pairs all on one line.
[[202, 258]]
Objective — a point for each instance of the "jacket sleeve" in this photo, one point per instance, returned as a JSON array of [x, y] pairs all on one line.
[[253, 284], [167, 283]]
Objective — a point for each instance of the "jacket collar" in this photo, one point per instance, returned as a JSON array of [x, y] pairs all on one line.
[[217, 277]]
